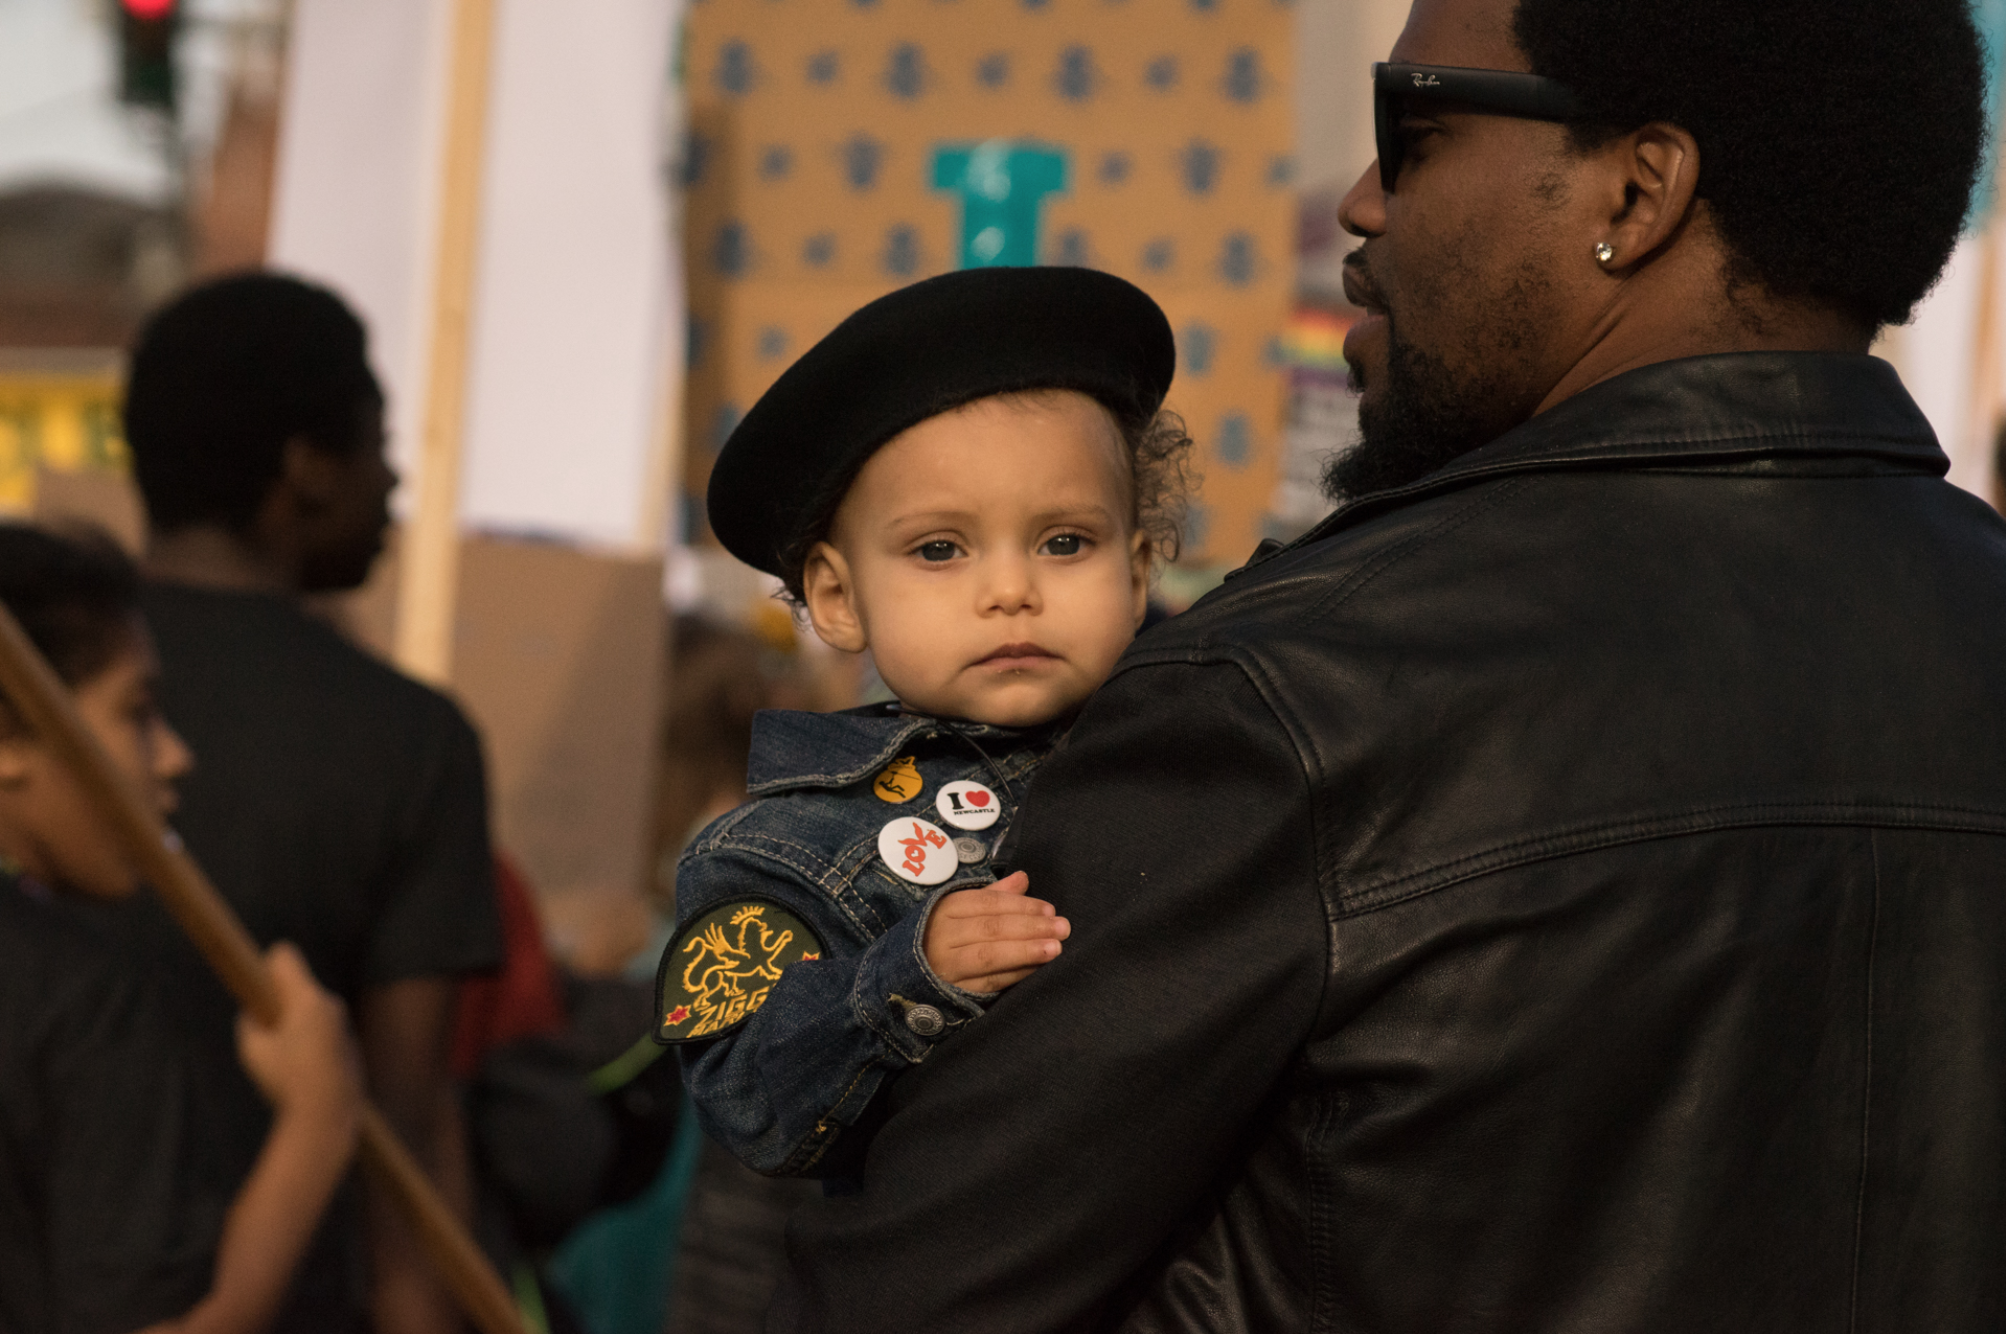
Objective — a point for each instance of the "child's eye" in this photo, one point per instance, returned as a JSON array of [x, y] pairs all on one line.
[[937, 551], [1065, 544]]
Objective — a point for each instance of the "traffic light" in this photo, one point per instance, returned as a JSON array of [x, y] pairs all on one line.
[[146, 32]]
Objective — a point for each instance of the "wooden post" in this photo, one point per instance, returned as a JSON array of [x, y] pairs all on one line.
[[429, 550], [45, 706]]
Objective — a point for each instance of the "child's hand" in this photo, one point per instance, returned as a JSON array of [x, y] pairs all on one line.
[[991, 938], [304, 1063]]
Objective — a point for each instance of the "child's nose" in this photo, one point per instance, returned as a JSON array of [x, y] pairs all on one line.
[[1010, 587]]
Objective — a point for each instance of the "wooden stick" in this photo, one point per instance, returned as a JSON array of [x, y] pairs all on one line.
[[429, 551], [46, 707]]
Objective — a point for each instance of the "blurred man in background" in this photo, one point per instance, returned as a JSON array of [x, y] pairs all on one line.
[[337, 803]]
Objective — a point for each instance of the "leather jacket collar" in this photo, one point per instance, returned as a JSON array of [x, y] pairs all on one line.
[[1733, 412]]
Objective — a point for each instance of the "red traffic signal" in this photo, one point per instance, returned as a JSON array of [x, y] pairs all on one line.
[[148, 10]]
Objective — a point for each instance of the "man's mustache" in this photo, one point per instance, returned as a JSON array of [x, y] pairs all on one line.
[[1360, 289]]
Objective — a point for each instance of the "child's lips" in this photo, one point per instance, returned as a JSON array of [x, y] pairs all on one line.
[[1016, 657]]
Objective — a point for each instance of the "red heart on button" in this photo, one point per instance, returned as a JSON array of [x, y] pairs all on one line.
[[978, 798]]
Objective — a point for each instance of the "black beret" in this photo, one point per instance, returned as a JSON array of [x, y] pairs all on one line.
[[919, 352]]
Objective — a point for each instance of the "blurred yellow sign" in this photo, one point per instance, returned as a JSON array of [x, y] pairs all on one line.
[[58, 412]]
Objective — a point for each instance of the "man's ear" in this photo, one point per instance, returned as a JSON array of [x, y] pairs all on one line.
[[831, 596], [1654, 173], [1141, 554], [309, 474]]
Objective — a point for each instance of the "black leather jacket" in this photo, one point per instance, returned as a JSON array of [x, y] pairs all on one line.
[[1568, 893]]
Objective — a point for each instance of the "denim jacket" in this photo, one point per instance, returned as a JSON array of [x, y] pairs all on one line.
[[829, 990]]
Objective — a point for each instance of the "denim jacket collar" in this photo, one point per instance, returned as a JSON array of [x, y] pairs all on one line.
[[1728, 412], [793, 749]]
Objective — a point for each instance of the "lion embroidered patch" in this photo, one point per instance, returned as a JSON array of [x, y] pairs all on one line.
[[721, 966]]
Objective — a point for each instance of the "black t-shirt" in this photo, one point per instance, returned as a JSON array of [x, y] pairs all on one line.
[[335, 803], [106, 1224]]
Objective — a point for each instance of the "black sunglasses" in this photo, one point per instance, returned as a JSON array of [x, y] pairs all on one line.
[[1505, 92]]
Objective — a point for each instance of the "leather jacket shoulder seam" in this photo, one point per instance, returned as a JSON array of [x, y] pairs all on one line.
[[1473, 506], [1602, 835]]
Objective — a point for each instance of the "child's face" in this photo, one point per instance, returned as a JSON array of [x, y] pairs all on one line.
[[987, 559], [47, 824]]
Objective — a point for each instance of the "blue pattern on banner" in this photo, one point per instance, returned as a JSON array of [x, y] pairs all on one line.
[[1002, 186], [1273, 355], [901, 251], [1197, 342], [824, 67], [1244, 81], [993, 70], [734, 69], [862, 157], [1159, 255], [1200, 164], [1076, 78], [732, 254], [1204, 6], [1235, 446], [1115, 167], [1991, 18], [772, 342], [1237, 259], [1281, 170], [696, 341], [1197, 523], [696, 157], [775, 161], [906, 76], [819, 249], [723, 424], [1071, 250], [1161, 73]]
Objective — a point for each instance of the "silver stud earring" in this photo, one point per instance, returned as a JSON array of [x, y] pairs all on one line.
[[1604, 252]]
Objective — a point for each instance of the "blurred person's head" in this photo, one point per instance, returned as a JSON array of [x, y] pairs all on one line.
[[1733, 176], [77, 600], [251, 411], [719, 676]]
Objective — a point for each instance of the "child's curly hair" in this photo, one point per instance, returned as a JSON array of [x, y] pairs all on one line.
[[1159, 458]]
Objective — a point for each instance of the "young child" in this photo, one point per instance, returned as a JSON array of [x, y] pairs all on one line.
[[105, 1225], [972, 479]]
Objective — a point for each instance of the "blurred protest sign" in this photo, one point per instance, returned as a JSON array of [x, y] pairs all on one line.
[[839, 149]]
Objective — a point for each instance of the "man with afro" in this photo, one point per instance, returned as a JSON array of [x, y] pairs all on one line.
[[1561, 891]]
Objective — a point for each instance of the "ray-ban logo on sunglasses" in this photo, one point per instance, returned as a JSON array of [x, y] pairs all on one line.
[[1426, 81]]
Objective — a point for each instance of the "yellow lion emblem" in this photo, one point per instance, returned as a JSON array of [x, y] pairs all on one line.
[[728, 976]]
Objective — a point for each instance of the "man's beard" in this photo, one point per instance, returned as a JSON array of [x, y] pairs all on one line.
[[1422, 418], [1427, 414]]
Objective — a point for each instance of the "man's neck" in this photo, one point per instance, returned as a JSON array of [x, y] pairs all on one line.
[[1676, 307], [208, 556]]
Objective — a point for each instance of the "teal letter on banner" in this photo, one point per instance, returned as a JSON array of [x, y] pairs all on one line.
[[1002, 185]]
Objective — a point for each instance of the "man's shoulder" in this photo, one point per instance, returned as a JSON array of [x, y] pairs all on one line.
[[271, 646]]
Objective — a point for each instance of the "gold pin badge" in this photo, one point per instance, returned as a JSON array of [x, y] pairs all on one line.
[[899, 780]]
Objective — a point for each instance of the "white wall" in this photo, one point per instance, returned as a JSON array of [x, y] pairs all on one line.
[[576, 310]]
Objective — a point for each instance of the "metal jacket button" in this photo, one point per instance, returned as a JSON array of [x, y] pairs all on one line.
[[924, 1020]]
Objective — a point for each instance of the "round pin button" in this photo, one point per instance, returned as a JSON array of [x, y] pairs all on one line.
[[968, 805], [924, 1020], [970, 850], [917, 850]]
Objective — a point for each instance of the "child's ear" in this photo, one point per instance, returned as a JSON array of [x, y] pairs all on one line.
[[1141, 554], [832, 600]]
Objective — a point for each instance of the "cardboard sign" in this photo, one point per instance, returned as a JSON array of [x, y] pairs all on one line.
[[841, 148]]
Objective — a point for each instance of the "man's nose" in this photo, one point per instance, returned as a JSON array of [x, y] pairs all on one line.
[[1363, 212]]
